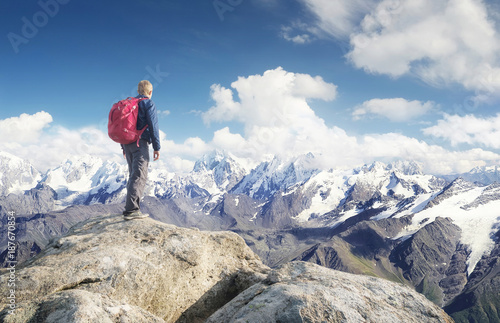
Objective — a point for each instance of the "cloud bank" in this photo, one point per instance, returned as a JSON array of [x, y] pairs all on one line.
[[275, 111], [278, 119]]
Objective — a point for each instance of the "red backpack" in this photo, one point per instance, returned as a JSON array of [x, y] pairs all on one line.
[[122, 121]]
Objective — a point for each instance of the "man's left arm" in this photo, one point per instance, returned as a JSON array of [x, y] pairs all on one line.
[[154, 129]]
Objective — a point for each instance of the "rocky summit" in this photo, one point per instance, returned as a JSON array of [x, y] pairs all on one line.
[[106, 269]]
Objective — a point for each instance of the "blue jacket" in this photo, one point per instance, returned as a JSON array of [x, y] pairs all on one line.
[[149, 116]]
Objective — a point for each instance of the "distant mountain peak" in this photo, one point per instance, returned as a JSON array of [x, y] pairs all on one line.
[[460, 184], [16, 174], [484, 175], [79, 177], [213, 159], [218, 171], [278, 174], [407, 167], [404, 167]]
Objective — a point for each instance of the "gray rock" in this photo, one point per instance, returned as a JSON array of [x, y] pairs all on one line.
[[177, 274], [34, 232], [79, 306], [305, 292]]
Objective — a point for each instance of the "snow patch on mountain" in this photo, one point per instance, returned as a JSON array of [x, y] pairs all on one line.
[[476, 224], [410, 207], [330, 187]]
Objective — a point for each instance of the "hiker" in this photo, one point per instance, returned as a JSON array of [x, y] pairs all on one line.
[[137, 153]]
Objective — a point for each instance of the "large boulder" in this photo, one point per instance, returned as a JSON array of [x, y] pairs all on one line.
[[305, 292], [176, 274]]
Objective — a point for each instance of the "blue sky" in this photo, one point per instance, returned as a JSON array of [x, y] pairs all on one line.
[[373, 80]]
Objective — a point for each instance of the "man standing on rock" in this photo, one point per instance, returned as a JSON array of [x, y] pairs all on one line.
[[138, 155]]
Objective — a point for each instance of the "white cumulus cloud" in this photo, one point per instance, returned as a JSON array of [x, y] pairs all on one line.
[[442, 42], [25, 128], [277, 119], [276, 97], [339, 17], [468, 129], [275, 113], [396, 109]]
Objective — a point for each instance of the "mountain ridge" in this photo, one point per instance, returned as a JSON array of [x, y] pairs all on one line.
[[365, 219]]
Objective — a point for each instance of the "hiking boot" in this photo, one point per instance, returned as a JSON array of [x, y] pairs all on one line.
[[135, 215]]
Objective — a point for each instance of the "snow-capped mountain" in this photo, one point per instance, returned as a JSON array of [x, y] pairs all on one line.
[[484, 175], [350, 191], [85, 180], [218, 172], [276, 175], [88, 180], [213, 175], [388, 220], [287, 192], [16, 174], [474, 209], [166, 185]]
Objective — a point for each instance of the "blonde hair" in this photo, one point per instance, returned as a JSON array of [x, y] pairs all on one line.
[[144, 87]]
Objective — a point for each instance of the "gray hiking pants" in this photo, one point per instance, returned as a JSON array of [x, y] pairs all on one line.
[[137, 160]]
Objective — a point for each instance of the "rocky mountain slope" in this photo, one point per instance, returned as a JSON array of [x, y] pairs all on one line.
[[107, 269], [480, 300], [438, 235]]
